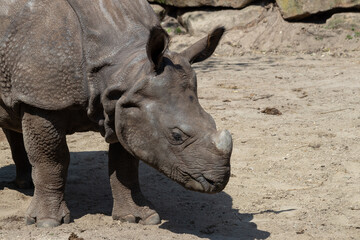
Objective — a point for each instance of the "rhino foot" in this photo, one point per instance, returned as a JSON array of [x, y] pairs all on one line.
[[43, 218], [135, 208], [145, 216], [151, 220], [130, 205], [43, 223]]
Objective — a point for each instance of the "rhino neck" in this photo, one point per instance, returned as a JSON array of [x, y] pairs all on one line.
[[112, 31], [110, 26], [122, 78]]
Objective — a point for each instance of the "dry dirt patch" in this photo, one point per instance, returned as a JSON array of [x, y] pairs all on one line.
[[294, 176]]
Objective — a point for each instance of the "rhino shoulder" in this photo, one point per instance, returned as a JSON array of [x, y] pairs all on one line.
[[8, 10], [41, 57]]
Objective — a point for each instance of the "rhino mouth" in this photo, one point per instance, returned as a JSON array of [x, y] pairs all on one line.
[[208, 184], [203, 184]]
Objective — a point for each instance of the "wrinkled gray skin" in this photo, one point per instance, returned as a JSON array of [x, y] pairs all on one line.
[[103, 65]]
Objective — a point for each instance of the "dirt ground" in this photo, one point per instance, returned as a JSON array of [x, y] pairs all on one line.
[[295, 174]]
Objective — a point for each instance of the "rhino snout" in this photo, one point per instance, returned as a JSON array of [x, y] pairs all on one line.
[[215, 174], [223, 142]]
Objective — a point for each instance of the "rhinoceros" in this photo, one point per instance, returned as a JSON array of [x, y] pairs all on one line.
[[104, 65]]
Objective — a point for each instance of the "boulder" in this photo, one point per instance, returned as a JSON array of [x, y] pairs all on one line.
[[202, 22], [200, 3], [172, 26], [298, 9], [349, 21], [159, 10]]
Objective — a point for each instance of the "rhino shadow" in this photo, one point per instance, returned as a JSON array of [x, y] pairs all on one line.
[[182, 211], [7, 177], [88, 187], [203, 215]]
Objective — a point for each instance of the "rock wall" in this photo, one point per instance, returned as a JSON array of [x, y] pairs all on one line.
[[298, 9], [197, 22], [263, 27], [350, 21], [290, 9]]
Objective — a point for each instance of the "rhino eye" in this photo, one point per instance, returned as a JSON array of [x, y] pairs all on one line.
[[177, 136]]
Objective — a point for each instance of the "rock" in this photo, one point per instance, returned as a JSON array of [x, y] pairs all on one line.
[[159, 10], [172, 26], [73, 236], [199, 3], [200, 22], [350, 21], [271, 111], [298, 9]]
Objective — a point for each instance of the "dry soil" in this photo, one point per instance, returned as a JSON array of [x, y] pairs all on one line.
[[294, 175]]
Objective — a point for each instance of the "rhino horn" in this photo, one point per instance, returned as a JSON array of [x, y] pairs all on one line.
[[223, 142]]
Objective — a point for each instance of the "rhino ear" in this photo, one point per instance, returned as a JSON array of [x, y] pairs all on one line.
[[156, 47], [205, 47]]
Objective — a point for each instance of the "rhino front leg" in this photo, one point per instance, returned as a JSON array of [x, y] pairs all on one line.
[[23, 167], [45, 143], [130, 204]]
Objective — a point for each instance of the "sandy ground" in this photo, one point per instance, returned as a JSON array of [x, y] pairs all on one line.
[[294, 175]]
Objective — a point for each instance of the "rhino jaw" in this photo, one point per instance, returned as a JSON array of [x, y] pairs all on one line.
[[202, 184], [194, 185]]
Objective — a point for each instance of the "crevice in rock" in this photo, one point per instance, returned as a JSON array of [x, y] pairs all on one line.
[[321, 17]]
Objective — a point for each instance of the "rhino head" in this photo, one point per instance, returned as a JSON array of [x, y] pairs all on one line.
[[159, 119]]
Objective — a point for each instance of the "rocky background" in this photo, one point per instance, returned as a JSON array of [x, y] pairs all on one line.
[[283, 26]]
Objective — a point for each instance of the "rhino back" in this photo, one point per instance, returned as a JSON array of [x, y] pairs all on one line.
[[41, 56]]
